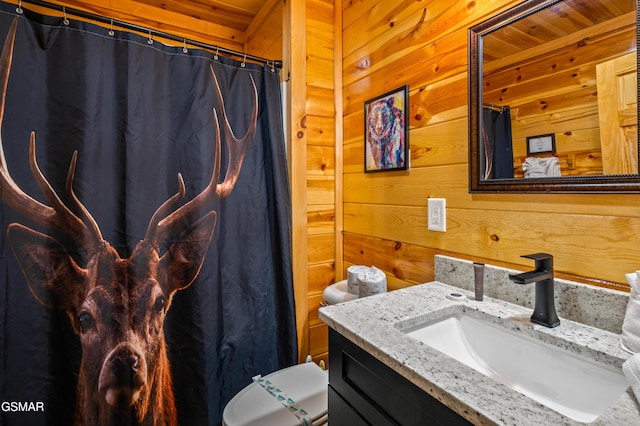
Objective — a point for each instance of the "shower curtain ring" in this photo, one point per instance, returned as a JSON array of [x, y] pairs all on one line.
[[216, 55], [184, 45], [19, 8], [244, 61], [64, 14], [150, 41], [111, 32]]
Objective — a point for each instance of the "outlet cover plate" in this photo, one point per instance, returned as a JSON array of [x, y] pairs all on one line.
[[437, 214]]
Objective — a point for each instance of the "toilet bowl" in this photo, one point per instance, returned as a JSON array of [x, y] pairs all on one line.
[[293, 396]]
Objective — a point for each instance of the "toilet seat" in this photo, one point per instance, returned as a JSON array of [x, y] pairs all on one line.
[[305, 385], [338, 293]]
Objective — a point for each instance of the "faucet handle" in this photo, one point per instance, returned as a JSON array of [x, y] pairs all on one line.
[[543, 260]]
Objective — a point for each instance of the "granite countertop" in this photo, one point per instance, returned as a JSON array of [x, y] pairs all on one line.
[[375, 323]]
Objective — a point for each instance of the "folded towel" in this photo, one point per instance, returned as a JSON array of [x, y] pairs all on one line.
[[631, 369], [534, 167], [630, 339]]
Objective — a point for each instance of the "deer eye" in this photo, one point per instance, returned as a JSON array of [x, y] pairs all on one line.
[[159, 304], [86, 321]]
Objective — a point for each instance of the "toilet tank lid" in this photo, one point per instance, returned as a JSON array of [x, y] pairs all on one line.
[[305, 384]]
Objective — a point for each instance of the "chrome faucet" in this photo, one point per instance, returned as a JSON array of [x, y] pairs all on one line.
[[544, 312]]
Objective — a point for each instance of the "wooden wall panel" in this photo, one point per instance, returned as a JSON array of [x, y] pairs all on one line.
[[321, 167], [410, 263], [321, 130], [378, 18], [295, 69], [160, 19], [264, 36], [320, 276], [321, 248], [319, 338], [592, 236], [320, 161], [321, 219], [320, 101], [506, 235], [225, 28], [404, 48], [320, 175]]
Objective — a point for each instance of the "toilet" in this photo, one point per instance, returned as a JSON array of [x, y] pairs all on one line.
[[292, 396]]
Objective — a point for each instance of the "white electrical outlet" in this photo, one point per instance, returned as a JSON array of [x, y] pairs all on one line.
[[437, 214]]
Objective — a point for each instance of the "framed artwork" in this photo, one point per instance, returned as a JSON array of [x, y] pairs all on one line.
[[541, 144], [386, 133]]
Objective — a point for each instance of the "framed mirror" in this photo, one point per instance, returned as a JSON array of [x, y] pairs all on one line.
[[553, 98]]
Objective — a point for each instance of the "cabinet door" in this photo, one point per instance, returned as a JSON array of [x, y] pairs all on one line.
[[343, 414], [377, 393]]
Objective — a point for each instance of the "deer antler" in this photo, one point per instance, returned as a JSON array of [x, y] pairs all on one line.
[[57, 215], [237, 147], [160, 228], [79, 224]]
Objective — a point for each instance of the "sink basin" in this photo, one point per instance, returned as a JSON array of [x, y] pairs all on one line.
[[571, 385]]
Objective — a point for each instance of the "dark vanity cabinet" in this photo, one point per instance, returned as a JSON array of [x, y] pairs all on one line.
[[364, 391]]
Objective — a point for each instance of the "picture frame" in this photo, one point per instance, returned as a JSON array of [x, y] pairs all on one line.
[[386, 131], [541, 144]]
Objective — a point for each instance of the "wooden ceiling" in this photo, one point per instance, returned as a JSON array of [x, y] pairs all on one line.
[[235, 14], [231, 24], [557, 22]]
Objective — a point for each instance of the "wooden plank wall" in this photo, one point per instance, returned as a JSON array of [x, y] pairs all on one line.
[[424, 44], [158, 18], [321, 166], [310, 65], [262, 38]]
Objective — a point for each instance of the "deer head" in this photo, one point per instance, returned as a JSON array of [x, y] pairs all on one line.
[[116, 306]]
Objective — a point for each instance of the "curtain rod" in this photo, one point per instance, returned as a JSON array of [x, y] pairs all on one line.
[[134, 27]]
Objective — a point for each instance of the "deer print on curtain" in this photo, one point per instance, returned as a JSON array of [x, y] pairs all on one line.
[[117, 305]]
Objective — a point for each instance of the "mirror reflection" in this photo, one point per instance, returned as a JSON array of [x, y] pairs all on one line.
[[559, 93]]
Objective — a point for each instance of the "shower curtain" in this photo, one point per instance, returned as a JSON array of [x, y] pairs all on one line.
[[138, 114], [496, 160]]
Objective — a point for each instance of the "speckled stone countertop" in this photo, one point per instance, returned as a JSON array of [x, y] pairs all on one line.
[[375, 324]]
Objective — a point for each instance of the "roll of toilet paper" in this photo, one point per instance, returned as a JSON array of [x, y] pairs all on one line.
[[372, 281], [352, 277]]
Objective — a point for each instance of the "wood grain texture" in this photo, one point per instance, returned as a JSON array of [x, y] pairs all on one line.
[[590, 236], [321, 162], [294, 53], [251, 26]]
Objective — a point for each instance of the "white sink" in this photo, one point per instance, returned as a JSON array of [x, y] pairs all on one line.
[[573, 386]]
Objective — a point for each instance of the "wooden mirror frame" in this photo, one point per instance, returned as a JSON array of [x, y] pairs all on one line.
[[578, 184]]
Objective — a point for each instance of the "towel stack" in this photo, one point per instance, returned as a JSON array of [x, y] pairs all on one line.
[[631, 324], [630, 340], [536, 167], [366, 281]]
